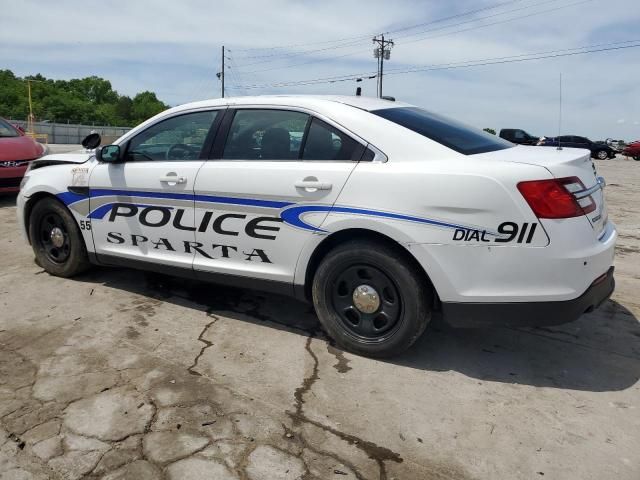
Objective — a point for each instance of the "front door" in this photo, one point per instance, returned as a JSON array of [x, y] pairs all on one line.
[[250, 204], [142, 208]]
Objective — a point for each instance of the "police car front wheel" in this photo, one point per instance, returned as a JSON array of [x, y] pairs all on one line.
[[56, 239], [370, 299]]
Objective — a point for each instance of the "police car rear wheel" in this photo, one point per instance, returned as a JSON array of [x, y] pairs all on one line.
[[370, 299], [56, 239]]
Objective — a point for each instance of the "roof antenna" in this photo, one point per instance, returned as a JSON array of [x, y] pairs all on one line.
[[560, 115]]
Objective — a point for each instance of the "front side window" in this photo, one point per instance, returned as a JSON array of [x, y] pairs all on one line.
[[450, 133], [7, 130], [265, 135], [324, 142], [177, 138]]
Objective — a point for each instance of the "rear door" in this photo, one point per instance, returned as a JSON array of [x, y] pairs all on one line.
[[270, 161], [142, 208]]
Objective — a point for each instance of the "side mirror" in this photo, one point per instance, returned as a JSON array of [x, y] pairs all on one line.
[[91, 141], [20, 129], [108, 153]]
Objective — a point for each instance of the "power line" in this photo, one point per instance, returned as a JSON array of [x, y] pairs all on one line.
[[519, 9], [499, 22], [434, 36], [451, 17], [334, 79], [467, 64], [369, 35], [356, 40], [295, 45], [508, 57], [521, 58]]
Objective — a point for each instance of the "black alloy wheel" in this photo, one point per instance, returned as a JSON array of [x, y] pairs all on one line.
[[371, 298], [54, 238], [367, 302]]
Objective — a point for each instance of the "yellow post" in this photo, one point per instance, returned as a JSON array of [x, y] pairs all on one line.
[[30, 128]]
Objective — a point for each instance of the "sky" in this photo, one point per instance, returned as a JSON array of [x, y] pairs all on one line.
[[174, 49]]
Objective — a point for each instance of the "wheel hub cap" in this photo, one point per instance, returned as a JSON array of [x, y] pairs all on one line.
[[366, 299], [57, 237]]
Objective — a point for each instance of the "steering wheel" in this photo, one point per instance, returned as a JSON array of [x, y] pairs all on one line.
[[179, 151]]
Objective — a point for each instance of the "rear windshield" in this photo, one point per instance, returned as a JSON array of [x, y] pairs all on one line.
[[6, 130], [450, 133]]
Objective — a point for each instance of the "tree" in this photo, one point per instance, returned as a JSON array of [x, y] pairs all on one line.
[[490, 130], [123, 108], [79, 100], [145, 105]]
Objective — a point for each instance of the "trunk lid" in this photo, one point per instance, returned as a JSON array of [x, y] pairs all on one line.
[[568, 162]]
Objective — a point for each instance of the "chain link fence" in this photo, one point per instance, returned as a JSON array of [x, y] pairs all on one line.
[[66, 133]]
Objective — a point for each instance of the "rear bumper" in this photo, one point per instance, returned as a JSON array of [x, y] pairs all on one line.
[[519, 314]]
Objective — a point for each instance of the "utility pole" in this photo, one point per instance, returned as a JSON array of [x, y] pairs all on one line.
[[382, 51], [222, 71], [220, 74]]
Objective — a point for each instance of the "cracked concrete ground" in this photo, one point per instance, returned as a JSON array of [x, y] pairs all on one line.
[[124, 375]]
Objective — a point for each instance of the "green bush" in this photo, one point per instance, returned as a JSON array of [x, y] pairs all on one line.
[[79, 100]]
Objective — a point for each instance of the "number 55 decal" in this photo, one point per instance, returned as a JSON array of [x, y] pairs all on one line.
[[85, 224]]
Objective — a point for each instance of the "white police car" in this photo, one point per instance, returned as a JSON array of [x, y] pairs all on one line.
[[378, 212]]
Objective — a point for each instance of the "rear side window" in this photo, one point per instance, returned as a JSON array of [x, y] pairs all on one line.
[[324, 142], [265, 135], [450, 133]]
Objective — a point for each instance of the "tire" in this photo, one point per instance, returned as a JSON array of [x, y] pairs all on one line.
[[64, 255], [403, 296], [637, 158], [602, 155]]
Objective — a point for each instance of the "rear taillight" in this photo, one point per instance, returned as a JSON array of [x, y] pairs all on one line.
[[555, 198]]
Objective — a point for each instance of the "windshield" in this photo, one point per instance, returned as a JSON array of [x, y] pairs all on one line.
[[450, 133], [7, 130]]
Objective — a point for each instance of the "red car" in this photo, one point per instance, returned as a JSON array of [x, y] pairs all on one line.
[[632, 150], [16, 151]]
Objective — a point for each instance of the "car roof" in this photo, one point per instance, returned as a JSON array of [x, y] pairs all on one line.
[[363, 103]]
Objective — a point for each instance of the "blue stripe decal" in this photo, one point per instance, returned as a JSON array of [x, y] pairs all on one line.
[[292, 215], [101, 211], [69, 197], [242, 201], [192, 197]]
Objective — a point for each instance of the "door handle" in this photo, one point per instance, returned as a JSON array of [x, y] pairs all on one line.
[[173, 179], [313, 184]]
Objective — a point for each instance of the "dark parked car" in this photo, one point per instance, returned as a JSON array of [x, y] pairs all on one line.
[[599, 150], [516, 135], [632, 150]]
